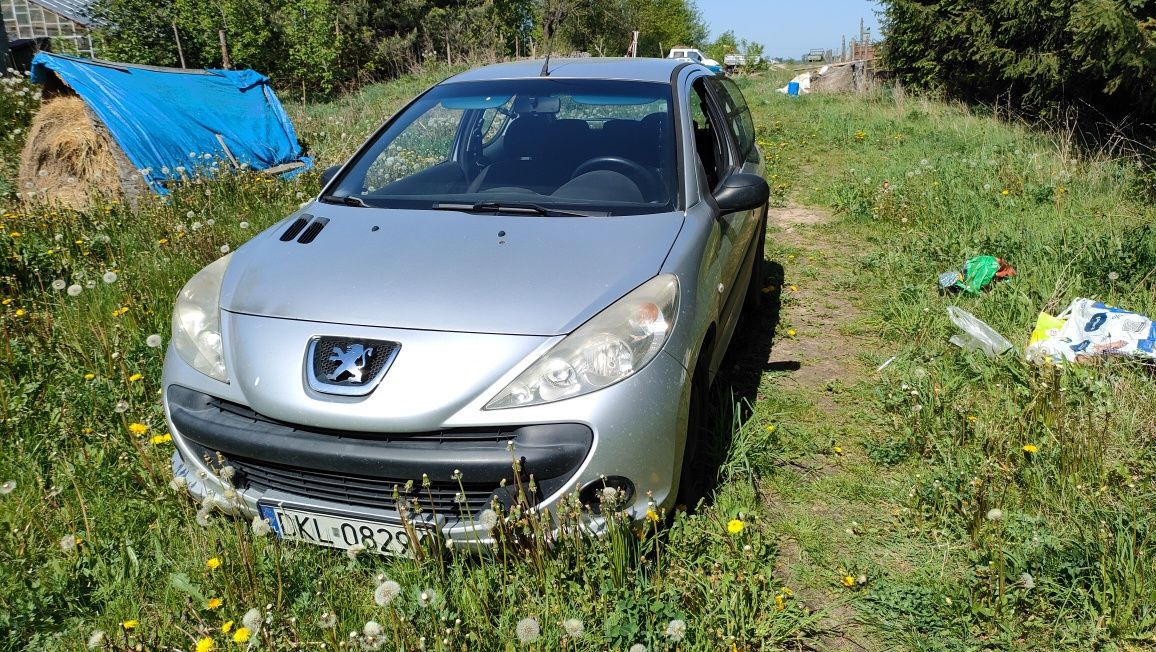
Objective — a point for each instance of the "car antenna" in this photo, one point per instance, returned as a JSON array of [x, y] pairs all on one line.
[[545, 67]]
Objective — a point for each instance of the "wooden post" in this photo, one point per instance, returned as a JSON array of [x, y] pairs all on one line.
[[224, 51], [180, 50]]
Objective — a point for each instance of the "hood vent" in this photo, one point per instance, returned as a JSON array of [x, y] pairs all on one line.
[[315, 224], [295, 228]]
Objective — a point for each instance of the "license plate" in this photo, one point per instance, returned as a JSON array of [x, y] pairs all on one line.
[[340, 531]]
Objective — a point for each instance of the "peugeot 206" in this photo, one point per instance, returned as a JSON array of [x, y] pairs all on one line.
[[533, 269]]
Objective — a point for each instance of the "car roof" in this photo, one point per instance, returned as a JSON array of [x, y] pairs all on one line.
[[633, 69]]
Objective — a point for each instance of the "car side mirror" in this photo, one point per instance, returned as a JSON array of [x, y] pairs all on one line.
[[328, 174], [741, 191]]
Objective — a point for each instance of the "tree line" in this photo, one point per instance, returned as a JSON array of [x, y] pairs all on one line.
[[1037, 57], [327, 45]]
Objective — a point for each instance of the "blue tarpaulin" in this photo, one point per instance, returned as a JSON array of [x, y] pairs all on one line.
[[171, 123]]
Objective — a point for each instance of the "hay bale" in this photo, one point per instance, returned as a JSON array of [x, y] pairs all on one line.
[[70, 158]]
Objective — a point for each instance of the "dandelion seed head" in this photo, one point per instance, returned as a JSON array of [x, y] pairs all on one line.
[[68, 543], [994, 514], [353, 551], [638, 647], [372, 629], [153, 341], [203, 517], [1112, 276], [121, 407], [261, 527], [253, 619], [528, 630], [386, 592], [488, 519], [89, 285], [327, 620], [224, 248], [109, 277], [8, 487], [427, 598], [574, 627], [74, 290], [1027, 581], [96, 639], [244, 225], [59, 284]]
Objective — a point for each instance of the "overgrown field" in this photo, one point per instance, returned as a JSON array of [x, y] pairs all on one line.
[[968, 541]]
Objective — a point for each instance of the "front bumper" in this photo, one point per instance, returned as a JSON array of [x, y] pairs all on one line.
[[633, 430]]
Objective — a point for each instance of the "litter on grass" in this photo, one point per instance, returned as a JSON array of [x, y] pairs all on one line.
[[976, 335], [976, 274], [1089, 329]]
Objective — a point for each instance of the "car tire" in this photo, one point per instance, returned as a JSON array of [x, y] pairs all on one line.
[[754, 298]]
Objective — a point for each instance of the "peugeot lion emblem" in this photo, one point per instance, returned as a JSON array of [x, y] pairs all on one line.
[[347, 366]]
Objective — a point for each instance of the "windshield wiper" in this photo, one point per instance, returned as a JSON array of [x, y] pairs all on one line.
[[348, 200], [516, 208]]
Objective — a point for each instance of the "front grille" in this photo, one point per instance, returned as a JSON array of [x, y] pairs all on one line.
[[377, 354], [444, 498]]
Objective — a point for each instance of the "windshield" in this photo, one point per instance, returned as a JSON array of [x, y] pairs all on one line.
[[580, 145]]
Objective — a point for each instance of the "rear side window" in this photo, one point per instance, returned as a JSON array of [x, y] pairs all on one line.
[[738, 116]]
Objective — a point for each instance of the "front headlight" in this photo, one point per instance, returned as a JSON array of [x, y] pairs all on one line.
[[612, 346], [197, 321]]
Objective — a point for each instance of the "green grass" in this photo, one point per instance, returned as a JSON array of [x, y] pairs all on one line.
[[905, 506]]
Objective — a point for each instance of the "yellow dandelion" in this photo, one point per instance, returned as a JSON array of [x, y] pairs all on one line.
[[794, 288], [138, 428], [972, 418], [160, 439], [129, 624], [1031, 448], [6, 302], [241, 635], [771, 428], [163, 241], [734, 526], [1005, 191], [14, 234], [652, 515], [227, 626], [790, 332], [135, 377], [89, 376], [214, 603], [19, 312], [213, 563], [848, 581], [838, 450], [780, 602], [206, 645]]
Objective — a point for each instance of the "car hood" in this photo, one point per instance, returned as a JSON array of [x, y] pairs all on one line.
[[447, 270]]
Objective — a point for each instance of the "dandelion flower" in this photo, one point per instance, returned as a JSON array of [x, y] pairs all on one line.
[[138, 428], [96, 639], [109, 277], [652, 516], [1031, 448], [261, 527], [994, 514], [214, 603], [227, 627], [203, 517], [609, 494], [206, 645], [224, 248], [574, 627], [790, 332], [638, 647], [59, 284], [74, 290], [68, 543], [676, 630], [19, 312], [253, 619], [129, 624], [327, 620], [213, 563], [527, 630], [135, 377], [1027, 581], [427, 598], [848, 581], [160, 439], [121, 407], [353, 551], [8, 487], [386, 592], [734, 526]]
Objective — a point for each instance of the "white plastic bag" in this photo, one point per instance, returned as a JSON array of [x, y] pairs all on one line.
[[1092, 329], [975, 334]]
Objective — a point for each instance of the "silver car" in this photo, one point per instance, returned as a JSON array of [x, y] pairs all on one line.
[[531, 272]]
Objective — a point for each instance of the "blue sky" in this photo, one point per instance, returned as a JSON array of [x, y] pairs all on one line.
[[788, 28]]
